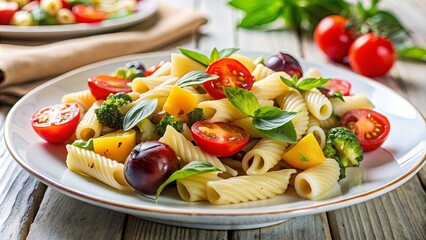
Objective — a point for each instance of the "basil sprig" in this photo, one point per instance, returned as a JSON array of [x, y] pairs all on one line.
[[191, 169], [304, 84], [194, 78], [205, 60], [271, 121], [139, 112], [412, 53]]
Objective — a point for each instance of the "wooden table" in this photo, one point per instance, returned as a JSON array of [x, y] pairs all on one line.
[[29, 209]]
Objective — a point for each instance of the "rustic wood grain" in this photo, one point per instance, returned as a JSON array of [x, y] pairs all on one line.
[[137, 228], [63, 217], [20, 193]]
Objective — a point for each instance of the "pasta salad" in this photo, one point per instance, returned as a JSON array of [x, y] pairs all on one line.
[[57, 12], [224, 127]]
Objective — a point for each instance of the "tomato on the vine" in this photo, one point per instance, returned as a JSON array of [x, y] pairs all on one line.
[[333, 38], [87, 14], [56, 123], [372, 55], [337, 85], [370, 127], [231, 74], [101, 86], [219, 138]]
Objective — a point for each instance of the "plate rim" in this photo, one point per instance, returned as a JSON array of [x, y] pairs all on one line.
[[319, 207]]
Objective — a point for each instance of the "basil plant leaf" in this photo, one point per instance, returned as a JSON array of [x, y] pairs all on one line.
[[244, 100], [413, 53], [191, 169], [196, 56], [336, 94], [267, 118], [87, 145], [139, 112], [286, 133], [227, 52], [194, 78]]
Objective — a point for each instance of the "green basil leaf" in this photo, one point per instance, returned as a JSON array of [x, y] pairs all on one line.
[[285, 133], [139, 112], [244, 100], [191, 169], [227, 52], [310, 83], [214, 55], [194, 78], [289, 82], [269, 117], [196, 56], [194, 116], [336, 94], [413, 53], [87, 145], [41, 17]]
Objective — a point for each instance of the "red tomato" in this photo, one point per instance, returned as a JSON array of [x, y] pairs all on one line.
[[370, 127], [7, 10], [56, 123], [219, 139], [337, 85], [101, 86], [87, 14], [149, 71], [332, 38], [65, 4], [371, 55], [231, 74]]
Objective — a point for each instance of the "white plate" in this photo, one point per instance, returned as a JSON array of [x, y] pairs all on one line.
[[401, 156], [145, 9]]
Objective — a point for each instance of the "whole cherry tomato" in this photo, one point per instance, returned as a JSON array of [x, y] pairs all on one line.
[[87, 14], [372, 55], [56, 123], [333, 38], [101, 86], [219, 138], [370, 127], [231, 74]]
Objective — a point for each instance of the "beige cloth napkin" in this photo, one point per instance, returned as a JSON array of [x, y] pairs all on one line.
[[22, 67]]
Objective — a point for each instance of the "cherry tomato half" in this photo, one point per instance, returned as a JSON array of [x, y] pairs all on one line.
[[7, 10], [87, 14], [337, 85], [333, 38], [101, 86], [219, 139], [149, 71], [231, 74], [371, 55], [56, 123], [370, 127]]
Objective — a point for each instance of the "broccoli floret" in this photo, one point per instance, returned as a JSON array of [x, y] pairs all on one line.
[[168, 119], [147, 129], [342, 145], [109, 112]]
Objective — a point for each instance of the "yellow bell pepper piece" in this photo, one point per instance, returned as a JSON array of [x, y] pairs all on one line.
[[305, 153], [116, 145], [180, 102]]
